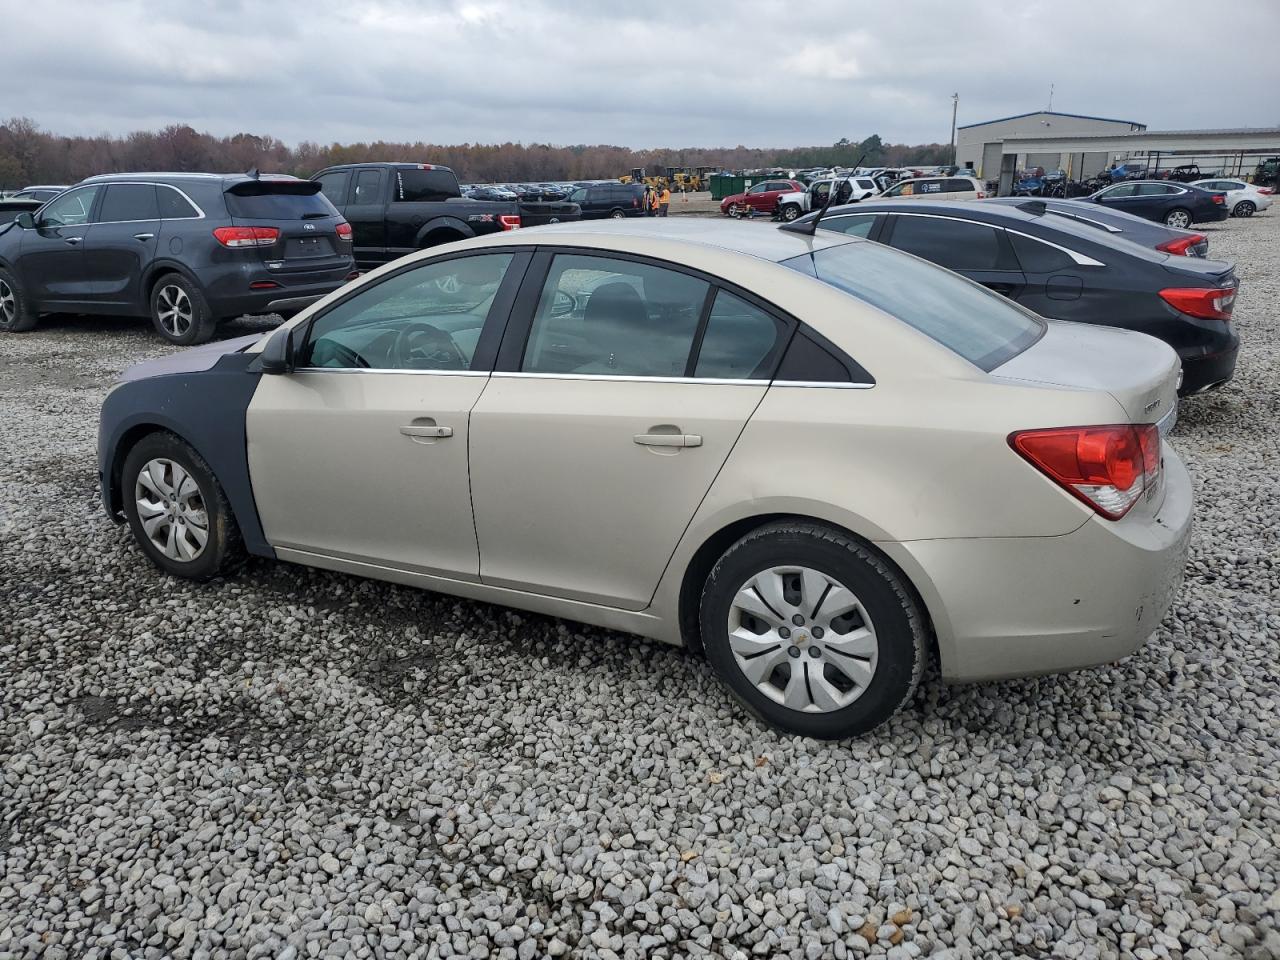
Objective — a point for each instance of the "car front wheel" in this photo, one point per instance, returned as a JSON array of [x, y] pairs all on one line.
[[789, 212], [16, 314], [812, 631], [176, 508], [1244, 208], [1178, 218]]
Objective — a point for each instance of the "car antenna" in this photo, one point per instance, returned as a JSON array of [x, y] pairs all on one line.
[[253, 174], [1036, 208], [810, 227]]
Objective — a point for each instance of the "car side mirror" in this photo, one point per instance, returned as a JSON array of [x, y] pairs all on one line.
[[277, 355], [26, 220]]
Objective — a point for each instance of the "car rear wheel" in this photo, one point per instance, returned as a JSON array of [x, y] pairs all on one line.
[[1245, 208], [176, 508], [789, 212], [810, 630], [618, 215], [16, 315], [180, 311], [1178, 218]]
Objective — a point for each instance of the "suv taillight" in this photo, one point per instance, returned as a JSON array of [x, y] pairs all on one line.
[[1107, 467], [246, 236], [1207, 303], [509, 221], [1181, 246], [343, 230]]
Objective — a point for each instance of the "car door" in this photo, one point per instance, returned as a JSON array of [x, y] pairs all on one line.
[[51, 262], [603, 426], [758, 197], [1122, 197], [120, 243], [360, 453], [975, 250], [1154, 200], [367, 214]]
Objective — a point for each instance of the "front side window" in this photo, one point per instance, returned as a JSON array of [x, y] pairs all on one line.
[[758, 188], [427, 318], [368, 187], [858, 225], [1122, 190], [954, 244], [71, 209], [741, 342], [971, 321], [129, 202], [601, 316]]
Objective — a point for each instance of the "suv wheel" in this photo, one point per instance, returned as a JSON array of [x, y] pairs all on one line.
[[1244, 208], [1178, 218], [811, 631], [789, 212], [176, 508], [16, 314], [618, 215], [180, 312]]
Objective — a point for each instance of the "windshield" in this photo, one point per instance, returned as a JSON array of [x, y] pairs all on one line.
[[981, 326]]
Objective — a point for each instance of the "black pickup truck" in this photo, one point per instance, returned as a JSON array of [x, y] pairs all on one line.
[[397, 208]]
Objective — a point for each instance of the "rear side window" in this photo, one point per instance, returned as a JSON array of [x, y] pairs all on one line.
[[1037, 257], [981, 326], [124, 202], [267, 204], [929, 186], [425, 186], [954, 244], [741, 342], [174, 206]]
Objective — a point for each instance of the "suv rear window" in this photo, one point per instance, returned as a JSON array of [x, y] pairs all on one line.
[[263, 202], [981, 326], [425, 186]]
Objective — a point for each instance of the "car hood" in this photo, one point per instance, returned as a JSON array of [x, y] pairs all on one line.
[[193, 360]]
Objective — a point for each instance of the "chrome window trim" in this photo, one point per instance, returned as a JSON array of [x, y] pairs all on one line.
[[395, 370], [1079, 258], [200, 215], [715, 381]]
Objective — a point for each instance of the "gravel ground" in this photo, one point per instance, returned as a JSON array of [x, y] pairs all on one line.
[[298, 764]]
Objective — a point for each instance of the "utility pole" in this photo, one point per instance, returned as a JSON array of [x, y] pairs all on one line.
[[955, 105]]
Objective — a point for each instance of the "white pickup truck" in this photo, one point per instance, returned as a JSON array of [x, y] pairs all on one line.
[[848, 190]]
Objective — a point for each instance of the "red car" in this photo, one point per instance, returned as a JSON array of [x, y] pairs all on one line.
[[762, 197]]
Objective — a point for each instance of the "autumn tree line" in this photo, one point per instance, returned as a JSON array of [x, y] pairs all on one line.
[[29, 155]]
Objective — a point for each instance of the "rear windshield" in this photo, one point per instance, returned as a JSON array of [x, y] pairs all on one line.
[[981, 326], [265, 204]]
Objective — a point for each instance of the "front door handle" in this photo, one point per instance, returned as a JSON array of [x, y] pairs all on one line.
[[72, 240], [144, 236], [668, 439], [413, 430]]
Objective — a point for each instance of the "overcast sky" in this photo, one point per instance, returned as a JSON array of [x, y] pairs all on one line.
[[637, 74]]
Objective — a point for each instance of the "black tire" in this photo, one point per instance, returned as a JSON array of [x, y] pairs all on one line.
[[222, 547], [789, 212], [1174, 218], [617, 214], [16, 315], [889, 603], [1245, 208], [733, 210], [180, 312]]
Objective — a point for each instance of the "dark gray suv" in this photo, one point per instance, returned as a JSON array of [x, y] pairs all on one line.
[[188, 249]]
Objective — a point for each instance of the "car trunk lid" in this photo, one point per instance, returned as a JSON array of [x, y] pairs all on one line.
[[304, 222], [1140, 372]]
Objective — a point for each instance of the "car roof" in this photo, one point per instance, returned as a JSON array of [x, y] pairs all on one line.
[[755, 240], [226, 179]]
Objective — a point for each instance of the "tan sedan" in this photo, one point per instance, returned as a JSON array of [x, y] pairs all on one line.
[[819, 460]]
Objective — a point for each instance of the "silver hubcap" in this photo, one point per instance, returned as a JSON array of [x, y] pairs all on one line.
[[174, 310], [8, 304], [172, 510], [803, 639], [1178, 219]]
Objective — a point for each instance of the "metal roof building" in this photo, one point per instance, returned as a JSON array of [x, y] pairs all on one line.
[[981, 145]]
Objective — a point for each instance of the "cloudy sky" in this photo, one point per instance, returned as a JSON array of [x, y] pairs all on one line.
[[637, 74]]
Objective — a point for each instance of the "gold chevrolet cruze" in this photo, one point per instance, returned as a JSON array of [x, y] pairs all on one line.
[[818, 460]]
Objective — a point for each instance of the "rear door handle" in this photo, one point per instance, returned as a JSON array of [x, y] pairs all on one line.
[[410, 430], [668, 439], [144, 236]]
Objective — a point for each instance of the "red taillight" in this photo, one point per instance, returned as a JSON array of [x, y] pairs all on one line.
[[1106, 467], [509, 222], [351, 276], [343, 230], [246, 236], [1181, 247], [1219, 198], [1207, 303], [1265, 190], [981, 195]]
